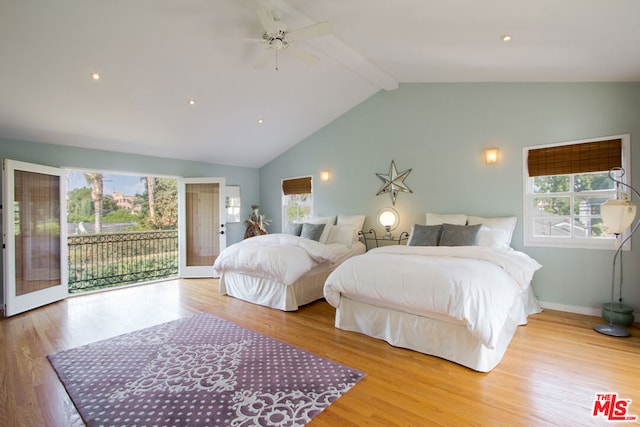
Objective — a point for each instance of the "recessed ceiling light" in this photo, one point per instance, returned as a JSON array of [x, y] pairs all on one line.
[[95, 76], [506, 38], [260, 121], [192, 102]]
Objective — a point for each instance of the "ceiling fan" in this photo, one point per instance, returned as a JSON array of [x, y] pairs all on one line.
[[279, 39]]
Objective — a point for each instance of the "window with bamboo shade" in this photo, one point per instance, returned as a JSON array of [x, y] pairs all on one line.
[[297, 200], [296, 186], [575, 158], [565, 185]]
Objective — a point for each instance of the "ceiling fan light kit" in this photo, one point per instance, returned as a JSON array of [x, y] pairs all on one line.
[[278, 38]]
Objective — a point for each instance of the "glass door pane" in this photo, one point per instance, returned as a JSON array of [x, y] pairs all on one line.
[[203, 223], [36, 210]]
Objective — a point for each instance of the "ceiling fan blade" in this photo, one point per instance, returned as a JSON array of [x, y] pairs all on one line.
[[302, 55], [266, 17], [317, 30], [264, 59], [244, 40]]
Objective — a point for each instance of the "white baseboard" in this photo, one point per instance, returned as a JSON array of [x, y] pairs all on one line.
[[588, 311]]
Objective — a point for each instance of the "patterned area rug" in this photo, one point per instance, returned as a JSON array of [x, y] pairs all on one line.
[[199, 371]]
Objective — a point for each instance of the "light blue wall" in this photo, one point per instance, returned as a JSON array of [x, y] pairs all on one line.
[[440, 131], [62, 156]]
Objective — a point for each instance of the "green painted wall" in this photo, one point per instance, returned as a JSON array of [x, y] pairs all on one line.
[[72, 157], [440, 131]]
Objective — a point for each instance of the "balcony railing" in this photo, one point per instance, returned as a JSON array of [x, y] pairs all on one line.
[[105, 260]]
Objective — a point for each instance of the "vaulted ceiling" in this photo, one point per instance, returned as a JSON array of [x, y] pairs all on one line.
[[154, 56]]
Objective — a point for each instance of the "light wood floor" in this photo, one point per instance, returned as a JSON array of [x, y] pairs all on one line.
[[549, 376]]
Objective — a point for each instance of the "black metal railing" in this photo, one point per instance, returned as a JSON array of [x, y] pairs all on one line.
[[105, 260]]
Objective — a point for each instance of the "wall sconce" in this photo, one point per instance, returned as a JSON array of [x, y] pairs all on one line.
[[325, 175], [389, 219], [491, 155]]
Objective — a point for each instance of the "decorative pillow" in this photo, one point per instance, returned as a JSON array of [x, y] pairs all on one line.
[[312, 231], [342, 234], [424, 235], [437, 219], [356, 220], [331, 220], [495, 231], [458, 235], [294, 228]]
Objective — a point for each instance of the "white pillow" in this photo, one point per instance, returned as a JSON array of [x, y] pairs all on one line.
[[495, 232], [356, 220], [331, 220], [492, 237], [438, 219], [342, 234]]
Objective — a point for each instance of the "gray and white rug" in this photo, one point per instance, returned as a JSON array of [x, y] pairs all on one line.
[[199, 371]]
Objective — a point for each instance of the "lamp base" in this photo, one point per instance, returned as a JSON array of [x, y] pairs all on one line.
[[612, 330], [617, 313], [387, 233]]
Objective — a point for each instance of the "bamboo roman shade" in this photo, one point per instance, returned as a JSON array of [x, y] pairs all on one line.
[[575, 158], [296, 186]]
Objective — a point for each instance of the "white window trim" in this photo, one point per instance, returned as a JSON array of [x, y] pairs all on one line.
[[577, 243]]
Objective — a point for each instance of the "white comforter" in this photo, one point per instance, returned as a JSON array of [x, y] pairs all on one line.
[[280, 257], [475, 286]]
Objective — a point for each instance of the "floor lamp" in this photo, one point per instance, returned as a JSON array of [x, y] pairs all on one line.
[[617, 214]]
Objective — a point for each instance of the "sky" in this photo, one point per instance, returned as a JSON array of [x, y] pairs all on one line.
[[128, 185]]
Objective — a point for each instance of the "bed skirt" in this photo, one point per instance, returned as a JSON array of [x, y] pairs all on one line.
[[435, 337], [275, 294]]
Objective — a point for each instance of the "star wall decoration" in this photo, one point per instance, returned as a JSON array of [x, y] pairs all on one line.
[[393, 183]]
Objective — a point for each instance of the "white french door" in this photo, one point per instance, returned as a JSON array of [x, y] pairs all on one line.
[[202, 220], [35, 236]]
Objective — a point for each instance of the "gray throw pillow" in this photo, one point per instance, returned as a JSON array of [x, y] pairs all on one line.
[[294, 228], [424, 235], [312, 231], [459, 235]]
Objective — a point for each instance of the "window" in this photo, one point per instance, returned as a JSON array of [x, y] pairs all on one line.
[[297, 200], [565, 184]]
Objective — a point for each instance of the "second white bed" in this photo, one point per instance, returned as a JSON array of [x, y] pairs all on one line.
[[279, 270]]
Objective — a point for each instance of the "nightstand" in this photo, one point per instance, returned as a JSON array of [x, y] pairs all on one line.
[[371, 236]]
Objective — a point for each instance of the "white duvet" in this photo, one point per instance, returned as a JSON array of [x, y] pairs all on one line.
[[472, 285], [280, 257]]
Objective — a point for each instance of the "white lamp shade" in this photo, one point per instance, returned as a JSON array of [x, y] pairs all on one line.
[[617, 214], [388, 217]]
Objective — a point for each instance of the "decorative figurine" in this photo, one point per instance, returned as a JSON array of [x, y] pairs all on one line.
[[256, 224]]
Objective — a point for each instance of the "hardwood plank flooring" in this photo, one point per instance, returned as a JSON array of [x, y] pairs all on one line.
[[549, 376]]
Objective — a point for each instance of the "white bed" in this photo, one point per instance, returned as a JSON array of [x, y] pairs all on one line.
[[460, 303], [285, 271]]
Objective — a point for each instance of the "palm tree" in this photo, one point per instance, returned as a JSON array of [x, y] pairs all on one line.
[[97, 187], [150, 195]]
